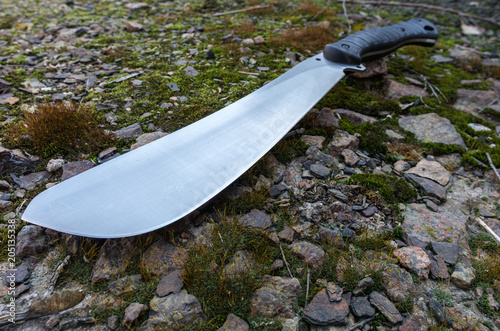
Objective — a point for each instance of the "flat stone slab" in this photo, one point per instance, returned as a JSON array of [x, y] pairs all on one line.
[[431, 170], [432, 128], [396, 90], [422, 226], [323, 311], [471, 100]]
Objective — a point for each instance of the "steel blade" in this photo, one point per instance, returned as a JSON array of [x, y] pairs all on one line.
[[161, 182]]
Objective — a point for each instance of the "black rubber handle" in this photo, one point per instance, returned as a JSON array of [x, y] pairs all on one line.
[[375, 43]]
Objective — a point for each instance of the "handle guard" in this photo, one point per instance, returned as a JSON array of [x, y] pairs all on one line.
[[376, 43]]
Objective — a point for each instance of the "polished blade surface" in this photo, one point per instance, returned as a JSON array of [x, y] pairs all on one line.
[[165, 180]]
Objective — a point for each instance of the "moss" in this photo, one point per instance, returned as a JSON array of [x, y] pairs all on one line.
[[392, 189], [288, 149]]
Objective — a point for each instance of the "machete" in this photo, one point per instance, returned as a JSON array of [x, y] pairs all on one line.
[[159, 183]]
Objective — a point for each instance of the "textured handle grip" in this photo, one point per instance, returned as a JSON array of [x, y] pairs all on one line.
[[375, 43]]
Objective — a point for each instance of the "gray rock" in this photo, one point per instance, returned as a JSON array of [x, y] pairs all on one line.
[[414, 323], [14, 164], [171, 283], [30, 181], [286, 234], [471, 100], [463, 276], [174, 312], [113, 258], [438, 268], [132, 313], [340, 141], [386, 307], [432, 128], [361, 307], [429, 187], [396, 90], [449, 251], [422, 226], [31, 240], [311, 254], [437, 310], [126, 285], [323, 311], [355, 118], [320, 171], [162, 257], [190, 71], [276, 297], [234, 323], [75, 323], [256, 219], [431, 170], [54, 165], [18, 275], [326, 118], [113, 322], [364, 286], [128, 132], [58, 301], [74, 168], [315, 141], [397, 282]]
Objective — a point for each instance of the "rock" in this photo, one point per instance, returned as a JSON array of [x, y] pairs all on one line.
[[491, 299], [449, 251], [112, 259], [30, 181], [396, 90], [113, 322], [174, 312], [463, 276], [14, 164], [276, 297], [171, 283], [315, 141], [429, 187], [162, 257], [322, 311], [319, 171], [386, 307], [54, 165], [373, 68], [397, 282], [258, 40], [132, 313], [422, 226], [340, 141], [18, 275], [331, 237], [133, 130], [58, 301], [234, 323], [431, 170], [361, 307], [240, 264], [415, 259], [414, 323], [133, 26], [326, 119], [309, 253], [350, 158], [286, 234], [74, 168], [355, 118], [146, 138], [126, 285], [31, 240], [432, 128], [190, 71], [136, 5], [478, 127], [256, 219], [364, 286], [438, 268], [472, 100], [461, 320], [437, 310]]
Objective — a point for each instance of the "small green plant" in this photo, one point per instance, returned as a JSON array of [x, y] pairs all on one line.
[[405, 306], [444, 298], [288, 149], [58, 128], [392, 189], [484, 307]]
